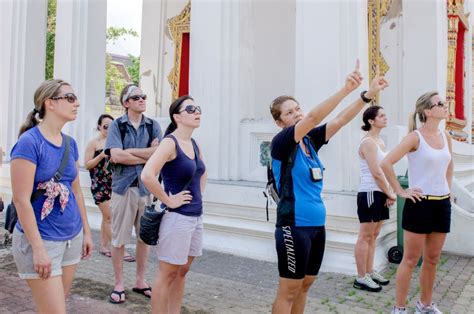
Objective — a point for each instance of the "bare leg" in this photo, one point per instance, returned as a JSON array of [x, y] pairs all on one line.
[[105, 227], [48, 295], [372, 245], [413, 246], [67, 278], [300, 301], [362, 247], [162, 286], [177, 287], [431, 254], [288, 290], [117, 262], [142, 259]]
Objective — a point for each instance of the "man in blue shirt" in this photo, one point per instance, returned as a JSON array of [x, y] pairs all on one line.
[[131, 140]]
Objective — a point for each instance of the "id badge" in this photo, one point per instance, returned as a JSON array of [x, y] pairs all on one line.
[[316, 174]]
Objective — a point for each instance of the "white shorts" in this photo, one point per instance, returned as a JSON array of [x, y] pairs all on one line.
[[180, 236], [61, 253]]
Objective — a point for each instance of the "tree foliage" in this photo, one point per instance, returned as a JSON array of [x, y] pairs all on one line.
[[50, 38], [134, 69]]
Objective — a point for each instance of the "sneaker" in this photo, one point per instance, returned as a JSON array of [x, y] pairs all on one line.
[[379, 279], [399, 310], [431, 309], [366, 283]]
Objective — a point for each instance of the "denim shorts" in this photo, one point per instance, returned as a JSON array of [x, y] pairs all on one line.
[[180, 236], [61, 253]]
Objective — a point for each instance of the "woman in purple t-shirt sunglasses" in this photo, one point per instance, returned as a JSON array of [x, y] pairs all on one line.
[[179, 160], [52, 233]]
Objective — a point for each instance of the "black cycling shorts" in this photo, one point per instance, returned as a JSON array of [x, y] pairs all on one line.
[[300, 250], [427, 216], [371, 206]]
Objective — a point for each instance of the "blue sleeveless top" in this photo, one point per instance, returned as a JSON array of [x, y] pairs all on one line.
[[177, 172]]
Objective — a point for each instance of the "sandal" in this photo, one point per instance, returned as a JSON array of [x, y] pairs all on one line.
[[129, 258], [142, 291], [120, 294], [106, 253]]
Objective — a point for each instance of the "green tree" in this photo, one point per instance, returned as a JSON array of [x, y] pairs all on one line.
[[134, 69], [50, 38]]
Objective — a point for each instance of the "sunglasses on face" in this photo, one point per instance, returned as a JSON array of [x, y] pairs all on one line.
[[439, 104], [191, 109], [105, 127], [137, 97], [70, 97]]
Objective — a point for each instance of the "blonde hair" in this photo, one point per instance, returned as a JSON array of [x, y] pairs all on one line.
[[423, 103], [46, 90]]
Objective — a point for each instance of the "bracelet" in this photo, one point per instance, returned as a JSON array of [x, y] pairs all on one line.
[[365, 99]]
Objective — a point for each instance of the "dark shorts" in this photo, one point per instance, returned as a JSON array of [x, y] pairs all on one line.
[[427, 216], [300, 250], [371, 206]]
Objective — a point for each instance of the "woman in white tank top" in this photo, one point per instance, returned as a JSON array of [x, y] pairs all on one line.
[[373, 200], [427, 211]]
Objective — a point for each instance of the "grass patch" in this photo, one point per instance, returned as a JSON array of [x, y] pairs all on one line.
[[325, 301], [351, 293]]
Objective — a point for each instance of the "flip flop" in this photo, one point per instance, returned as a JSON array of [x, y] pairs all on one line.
[[129, 258], [120, 294], [106, 253], [142, 291]]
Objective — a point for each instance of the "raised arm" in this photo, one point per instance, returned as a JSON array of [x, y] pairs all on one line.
[[322, 110], [346, 115], [408, 144], [166, 151], [368, 150]]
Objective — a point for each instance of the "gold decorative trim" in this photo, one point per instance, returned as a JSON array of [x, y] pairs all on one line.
[[455, 14], [176, 27], [376, 10]]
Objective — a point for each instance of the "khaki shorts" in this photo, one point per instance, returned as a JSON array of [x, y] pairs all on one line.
[[61, 253], [126, 211], [180, 236]]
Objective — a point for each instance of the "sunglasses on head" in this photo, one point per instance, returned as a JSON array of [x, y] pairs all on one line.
[[70, 97], [137, 97], [439, 104], [191, 109]]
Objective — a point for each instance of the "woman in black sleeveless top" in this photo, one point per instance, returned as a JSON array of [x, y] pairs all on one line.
[[179, 160]]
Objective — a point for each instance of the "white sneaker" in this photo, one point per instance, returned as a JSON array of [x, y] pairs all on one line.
[[399, 310], [423, 309], [366, 283], [379, 279]]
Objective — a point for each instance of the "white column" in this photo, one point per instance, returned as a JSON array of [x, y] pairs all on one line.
[[425, 40], [326, 52], [214, 82], [22, 62], [80, 60]]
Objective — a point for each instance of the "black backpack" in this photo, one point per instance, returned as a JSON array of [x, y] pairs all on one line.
[[122, 125], [271, 192]]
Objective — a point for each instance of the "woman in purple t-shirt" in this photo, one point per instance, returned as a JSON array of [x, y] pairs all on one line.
[[52, 230], [179, 160]]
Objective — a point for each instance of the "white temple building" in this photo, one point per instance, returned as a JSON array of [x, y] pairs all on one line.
[[234, 58]]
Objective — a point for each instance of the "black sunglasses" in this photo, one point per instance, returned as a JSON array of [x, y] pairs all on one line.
[[137, 97], [191, 109], [70, 97], [105, 126], [439, 104]]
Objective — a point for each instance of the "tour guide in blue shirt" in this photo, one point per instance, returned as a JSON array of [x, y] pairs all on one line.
[[300, 234], [129, 195]]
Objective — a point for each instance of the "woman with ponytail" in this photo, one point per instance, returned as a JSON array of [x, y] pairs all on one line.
[[373, 200], [427, 211], [52, 229], [180, 162]]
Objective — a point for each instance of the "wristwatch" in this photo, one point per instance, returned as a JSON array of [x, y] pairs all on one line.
[[365, 99]]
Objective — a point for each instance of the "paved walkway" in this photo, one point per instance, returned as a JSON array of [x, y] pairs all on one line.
[[222, 283]]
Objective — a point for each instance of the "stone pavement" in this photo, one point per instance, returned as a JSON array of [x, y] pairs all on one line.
[[222, 283]]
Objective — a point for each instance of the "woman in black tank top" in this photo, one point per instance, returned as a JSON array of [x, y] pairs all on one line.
[[179, 160]]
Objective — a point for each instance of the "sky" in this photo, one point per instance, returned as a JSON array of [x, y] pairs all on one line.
[[128, 14]]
